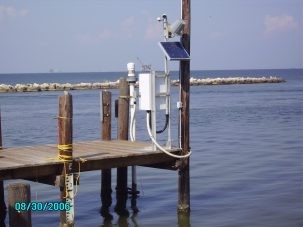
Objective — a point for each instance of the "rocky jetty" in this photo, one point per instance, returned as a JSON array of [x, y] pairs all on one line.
[[57, 86], [115, 84], [232, 80]]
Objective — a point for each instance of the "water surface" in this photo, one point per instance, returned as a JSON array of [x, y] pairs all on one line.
[[246, 167]]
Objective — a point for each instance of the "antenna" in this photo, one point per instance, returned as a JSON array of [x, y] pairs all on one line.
[[145, 67]]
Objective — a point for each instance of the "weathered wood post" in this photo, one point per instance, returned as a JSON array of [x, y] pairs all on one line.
[[0, 132], [184, 178], [183, 219], [123, 118], [65, 149], [106, 181], [2, 202], [19, 197]]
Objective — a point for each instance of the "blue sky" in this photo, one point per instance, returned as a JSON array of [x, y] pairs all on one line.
[[99, 35]]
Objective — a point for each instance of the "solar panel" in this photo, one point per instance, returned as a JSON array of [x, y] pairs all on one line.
[[174, 51]]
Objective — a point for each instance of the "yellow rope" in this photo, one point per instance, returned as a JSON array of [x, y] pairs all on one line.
[[81, 160], [69, 118], [65, 158], [69, 158], [124, 96], [65, 148], [66, 192]]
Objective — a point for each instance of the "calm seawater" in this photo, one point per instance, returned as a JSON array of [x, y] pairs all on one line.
[[247, 162]]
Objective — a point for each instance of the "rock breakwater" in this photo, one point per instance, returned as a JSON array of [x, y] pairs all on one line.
[[114, 84], [232, 80]]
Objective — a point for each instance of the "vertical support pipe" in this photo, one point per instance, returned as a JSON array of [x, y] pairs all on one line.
[[132, 129], [123, 118], [106, 190], [168, 108], [184, 177], [2, 201], [19, 196], [65, 149], [153, 108]]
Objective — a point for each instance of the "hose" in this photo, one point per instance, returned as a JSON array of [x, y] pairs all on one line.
[[156, 143], [131, 128], [133, 115]]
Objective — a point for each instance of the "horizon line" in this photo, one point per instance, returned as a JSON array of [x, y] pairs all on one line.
[[71, 72]]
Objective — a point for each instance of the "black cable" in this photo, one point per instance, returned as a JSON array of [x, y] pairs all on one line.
[[166, 123]]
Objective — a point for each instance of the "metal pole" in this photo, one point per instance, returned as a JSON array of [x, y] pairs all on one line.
[[167, 83], [168, 107], [132, 129]]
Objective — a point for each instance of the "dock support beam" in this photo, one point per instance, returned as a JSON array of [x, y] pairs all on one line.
[[123, 118], [65, 149], [106, 181], [184, 178], [19, 194]]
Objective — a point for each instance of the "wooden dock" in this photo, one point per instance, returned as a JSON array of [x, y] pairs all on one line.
[[40, 161], [43, 162], [63, 162]]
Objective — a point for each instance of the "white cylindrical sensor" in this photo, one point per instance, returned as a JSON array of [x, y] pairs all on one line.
[[131, 69]]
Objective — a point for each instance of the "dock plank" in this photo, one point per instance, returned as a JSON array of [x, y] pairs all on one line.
[[41, 160]]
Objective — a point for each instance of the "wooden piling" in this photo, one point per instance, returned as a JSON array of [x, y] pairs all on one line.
[[2, 205], [183, 219], [2, 201], [123, 121], [19, 196], [123, 110], [106, 115], [106, 190], [0, 132], [184, 177], [65, 141]]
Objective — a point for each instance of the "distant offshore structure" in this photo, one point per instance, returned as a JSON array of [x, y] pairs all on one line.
[[54, 70], [114, 84]]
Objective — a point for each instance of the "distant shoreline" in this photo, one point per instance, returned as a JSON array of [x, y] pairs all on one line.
[[34, 87]]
